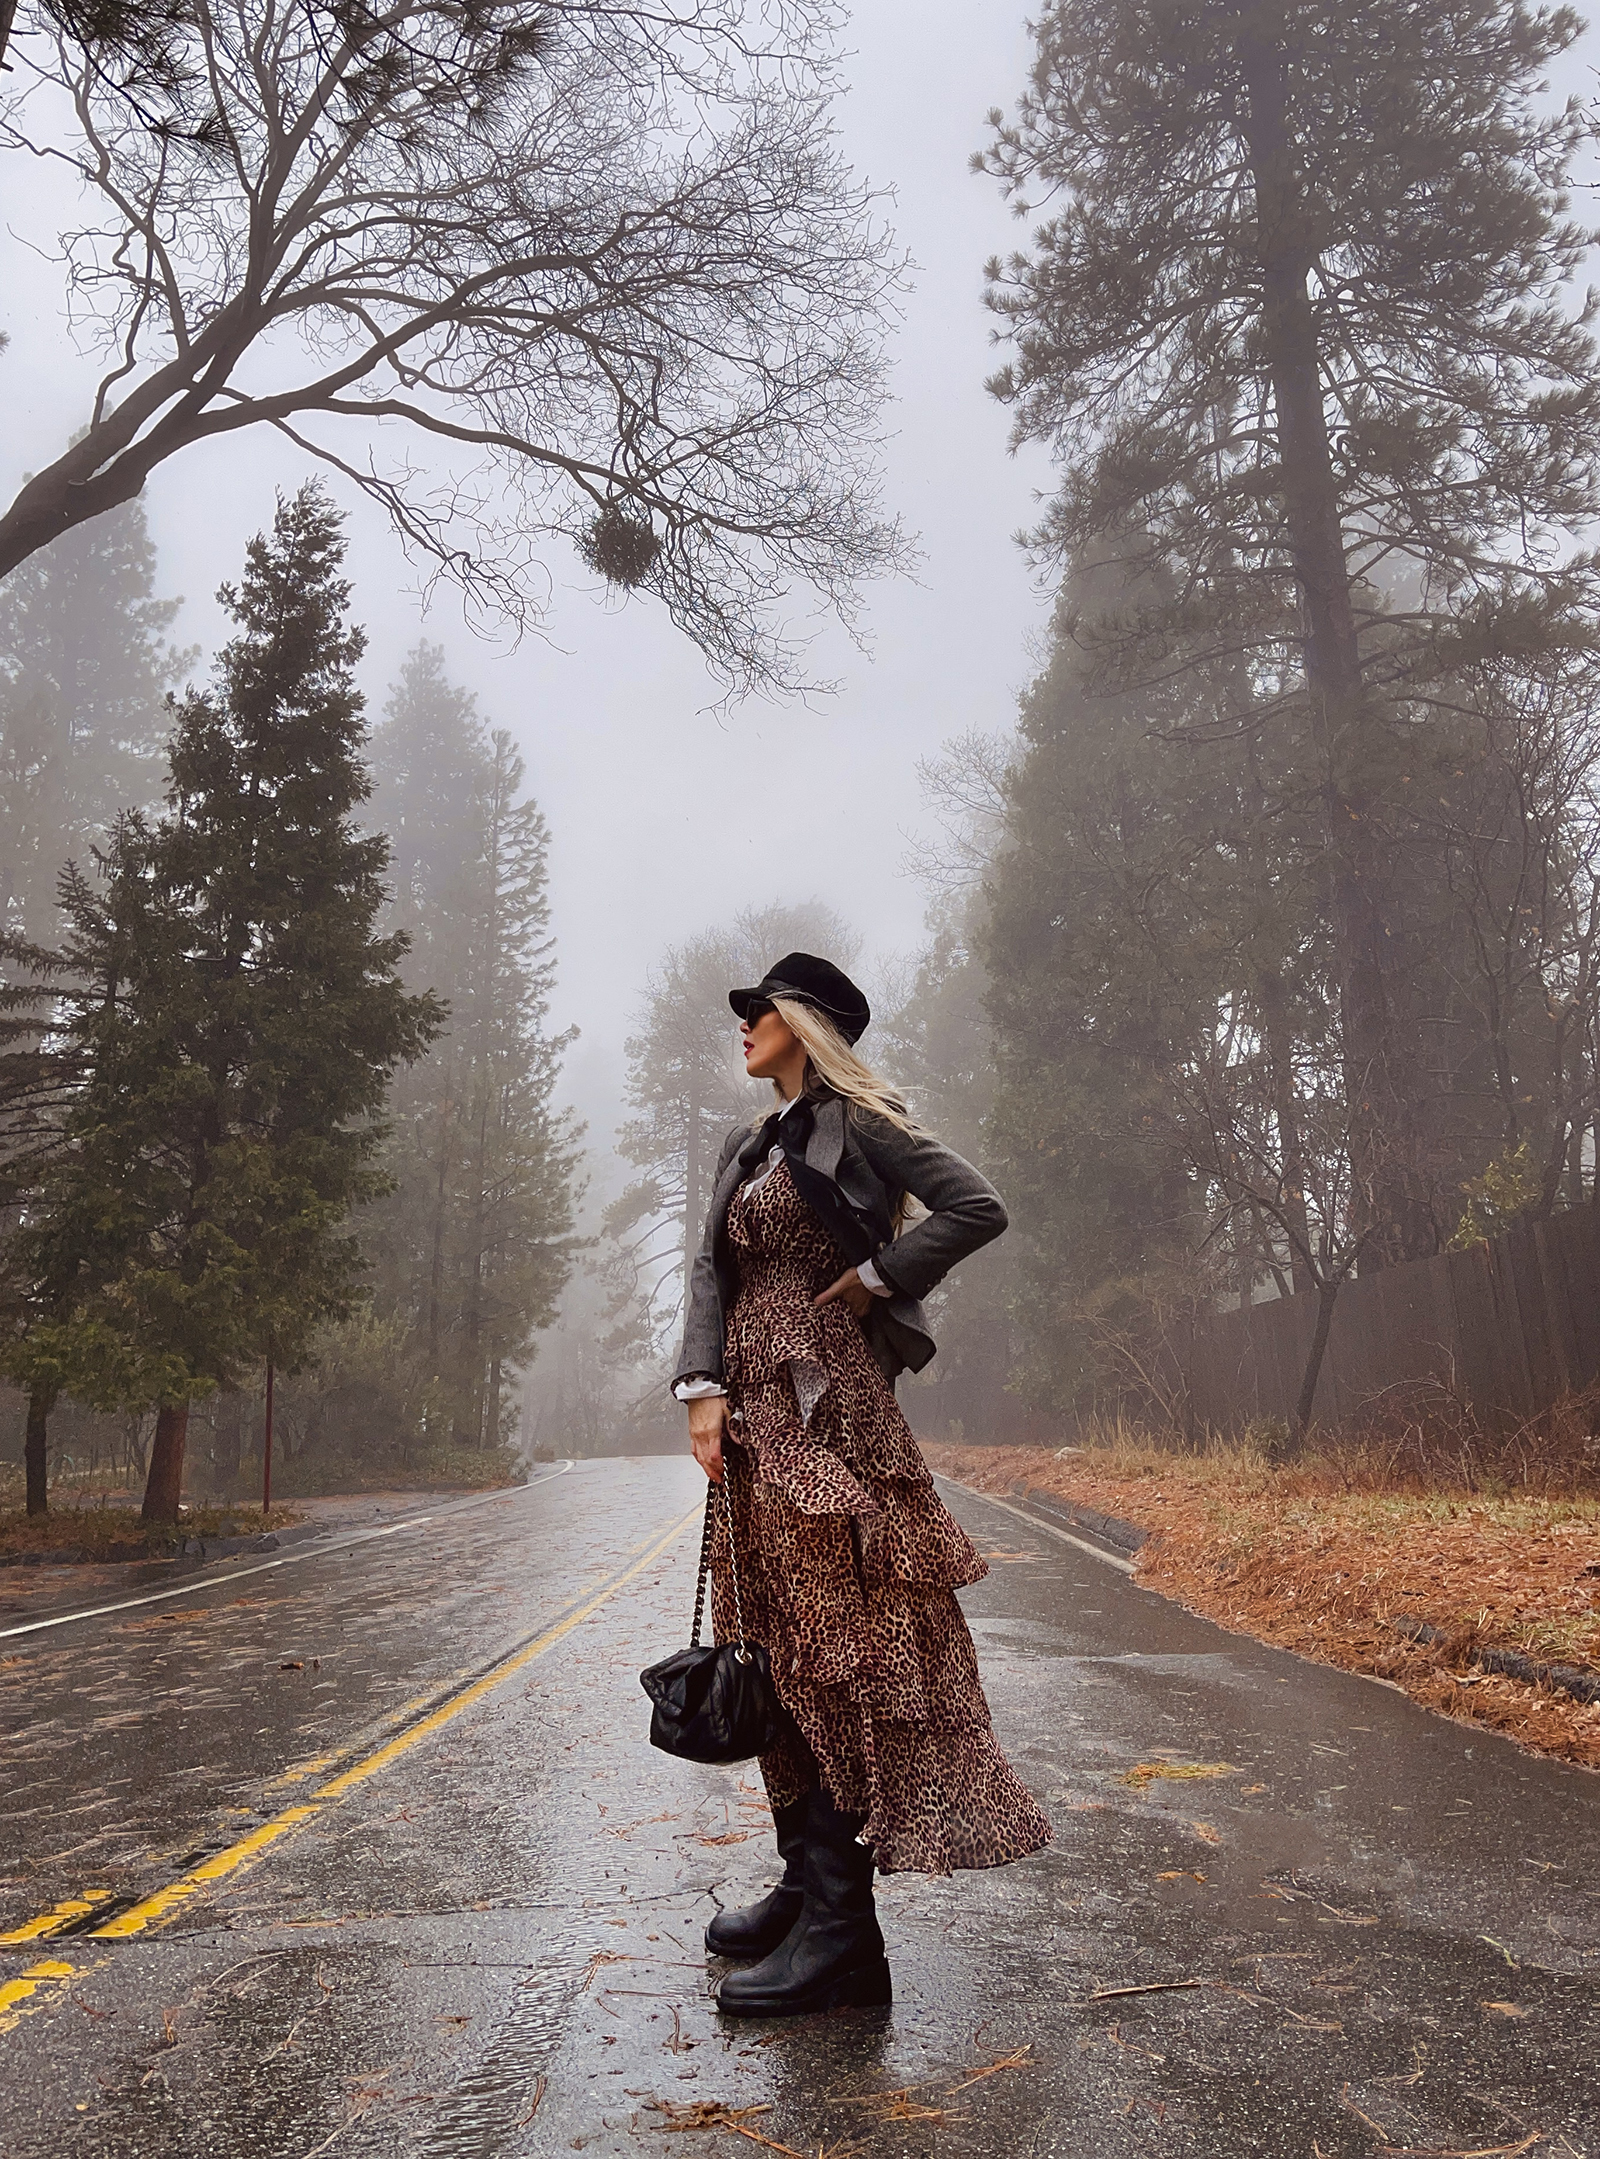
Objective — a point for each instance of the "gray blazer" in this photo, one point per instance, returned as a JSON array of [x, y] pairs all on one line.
[[870, 1161]]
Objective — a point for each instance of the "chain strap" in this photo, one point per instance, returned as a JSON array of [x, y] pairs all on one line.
[[705, 1564], [705, 1567]]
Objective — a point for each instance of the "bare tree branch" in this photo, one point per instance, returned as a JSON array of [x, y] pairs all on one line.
[[604, 258]]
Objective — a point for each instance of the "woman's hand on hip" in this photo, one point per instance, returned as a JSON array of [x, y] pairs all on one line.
[[708, 1420], [850, 1290]]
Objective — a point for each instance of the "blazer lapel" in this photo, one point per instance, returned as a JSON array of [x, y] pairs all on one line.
[[826, 1144]]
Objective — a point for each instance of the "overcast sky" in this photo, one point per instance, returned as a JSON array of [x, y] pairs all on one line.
[[667, 818]]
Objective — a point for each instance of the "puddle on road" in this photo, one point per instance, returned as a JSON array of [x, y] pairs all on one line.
[[497, 2098]]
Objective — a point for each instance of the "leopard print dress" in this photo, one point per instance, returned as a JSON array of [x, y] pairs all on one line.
[[848, 1561]]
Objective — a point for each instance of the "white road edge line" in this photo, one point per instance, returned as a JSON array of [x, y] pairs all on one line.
[[195, 1586], [1123, 1566]]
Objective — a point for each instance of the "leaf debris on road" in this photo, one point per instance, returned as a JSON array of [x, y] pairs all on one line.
[[1143, 1774]]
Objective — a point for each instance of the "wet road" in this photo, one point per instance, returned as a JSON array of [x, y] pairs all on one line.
[[360, 1888]]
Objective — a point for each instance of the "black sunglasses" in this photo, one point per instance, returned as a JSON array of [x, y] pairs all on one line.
[[757, 1009]]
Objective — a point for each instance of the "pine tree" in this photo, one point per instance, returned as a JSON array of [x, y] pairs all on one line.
[[238, 1016], [84, 670], [1113, 904], [474, 1245], [934, 1039], [1298, 330], [39, 1072], [1164, 983]]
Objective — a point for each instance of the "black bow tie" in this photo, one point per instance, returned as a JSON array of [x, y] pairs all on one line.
[[791, 1129]]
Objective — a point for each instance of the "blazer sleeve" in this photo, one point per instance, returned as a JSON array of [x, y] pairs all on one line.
[[965, 1212], [701, 1353]]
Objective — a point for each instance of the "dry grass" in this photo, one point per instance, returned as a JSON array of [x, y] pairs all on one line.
[[1319, 1557], [99, 1534]]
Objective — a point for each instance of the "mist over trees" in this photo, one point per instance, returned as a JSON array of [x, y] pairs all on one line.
[[1290, 933], [1298, 328], [475, 1241], [1264, 953], [603, 265], [85, 667], [230, 1017], [274, 1090]]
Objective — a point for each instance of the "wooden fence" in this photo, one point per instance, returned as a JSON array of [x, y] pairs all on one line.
[[1509, 1326]]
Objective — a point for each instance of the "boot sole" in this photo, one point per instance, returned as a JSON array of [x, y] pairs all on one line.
[[868, 1988], [747, 1953]]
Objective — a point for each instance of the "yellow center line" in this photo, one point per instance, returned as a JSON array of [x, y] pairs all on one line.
[[163, 1902], [38, 1986], [57, 1917]]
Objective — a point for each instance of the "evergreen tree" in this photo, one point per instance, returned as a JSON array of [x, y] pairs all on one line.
[[1164, 982], [84, 670], [1112, 908], [935, 1039], [38, 1074], [474, 1245], [1297, 328], [238, 1017]]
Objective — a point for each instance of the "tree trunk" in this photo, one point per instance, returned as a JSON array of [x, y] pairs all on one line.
[[1327, 1291], [1286, 1114], [472, 1319], [1384, 1204], [436, 1252], [230, 1443], [164, 1485], [36, 1448], [266, 1448]]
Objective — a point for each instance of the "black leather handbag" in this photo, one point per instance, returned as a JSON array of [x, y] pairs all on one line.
[[717, 1704]]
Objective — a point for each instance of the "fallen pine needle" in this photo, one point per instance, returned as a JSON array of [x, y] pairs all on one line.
[[1386, 2150], [1016, 2060], [897, 2107], [702, 2114], [1144, 1774], [1156, 1986], [1456, 2151]]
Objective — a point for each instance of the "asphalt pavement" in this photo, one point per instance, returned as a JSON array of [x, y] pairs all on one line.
[[366, 1854]]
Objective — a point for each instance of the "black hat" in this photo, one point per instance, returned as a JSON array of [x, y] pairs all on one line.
[[810, 981]]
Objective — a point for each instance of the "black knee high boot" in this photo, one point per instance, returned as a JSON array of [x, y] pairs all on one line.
[[833, 1957], [760, 1927]]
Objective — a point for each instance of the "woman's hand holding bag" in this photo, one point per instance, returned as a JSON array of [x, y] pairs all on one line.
[[713, 1704]]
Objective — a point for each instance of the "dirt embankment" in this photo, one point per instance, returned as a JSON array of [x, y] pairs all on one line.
[[1347, 1576]]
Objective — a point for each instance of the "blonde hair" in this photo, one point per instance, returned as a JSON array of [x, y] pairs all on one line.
[[836, 1064]]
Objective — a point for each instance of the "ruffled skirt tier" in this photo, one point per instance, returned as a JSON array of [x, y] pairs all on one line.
[[848, 1565]]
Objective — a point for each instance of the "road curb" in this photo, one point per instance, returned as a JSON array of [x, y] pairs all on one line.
[[1123, 1538], [1508, 1663]]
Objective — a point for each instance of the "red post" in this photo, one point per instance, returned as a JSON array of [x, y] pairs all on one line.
[[266, 1453]]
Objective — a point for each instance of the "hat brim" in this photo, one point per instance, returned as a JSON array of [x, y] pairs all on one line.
[[852, 1025]]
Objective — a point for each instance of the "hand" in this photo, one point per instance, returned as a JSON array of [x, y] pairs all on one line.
[[708, 1420], [850, 1290]]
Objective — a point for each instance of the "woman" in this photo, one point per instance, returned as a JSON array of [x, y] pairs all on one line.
[[803, 1307]]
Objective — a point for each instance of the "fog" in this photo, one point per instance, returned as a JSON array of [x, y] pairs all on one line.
[[668, 815], [1149, 1013]]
